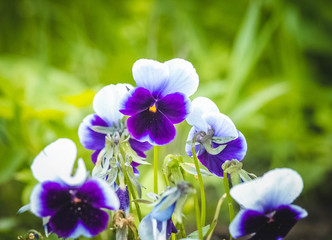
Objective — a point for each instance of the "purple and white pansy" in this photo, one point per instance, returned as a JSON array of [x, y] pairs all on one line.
[[267, 210], [71, 206], [160, 100], [217, 138], [108, 120]]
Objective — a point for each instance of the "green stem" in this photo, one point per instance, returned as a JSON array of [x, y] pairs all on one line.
[[215, 219], [201, 185], [155, 169], [183, 230], [229, 199], [198, 218]]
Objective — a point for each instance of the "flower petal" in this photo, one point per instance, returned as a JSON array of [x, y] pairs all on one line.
[[123, 196], [151, 75], [152, 127], [56, 160], [175, 107], [99, 194], [191, 135], [90, 139], [182, 77], [140, 147], [106, 102], [47, 197], [200, 106], [94, 156], [276, 188], [247, 222], [139, 99], [221, 124], [145, 228]]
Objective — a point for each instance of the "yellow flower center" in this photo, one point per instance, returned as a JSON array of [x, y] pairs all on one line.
[[153, 108]]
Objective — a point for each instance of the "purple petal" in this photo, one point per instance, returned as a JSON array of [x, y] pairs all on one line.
[[99, 194], [140, 147], [137, 100], [123, 196], [247, 222], [47, 197], [152, 127], [89, 138], [170, 228], [175, 107], [235, 149], [94, 156]]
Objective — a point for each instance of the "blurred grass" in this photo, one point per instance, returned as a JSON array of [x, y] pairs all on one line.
[[267, 64]]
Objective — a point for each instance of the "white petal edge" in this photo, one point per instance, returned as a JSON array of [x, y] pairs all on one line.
[[201, 105], [111, 199], [106, 102], [151, 75], [235, 226], [57, 159], [145, 230], [275, 188], [222, 125], [35, 203], [79, 177], [182, 77], [80, 230]]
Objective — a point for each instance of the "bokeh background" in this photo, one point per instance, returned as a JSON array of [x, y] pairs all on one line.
[[266, 63]]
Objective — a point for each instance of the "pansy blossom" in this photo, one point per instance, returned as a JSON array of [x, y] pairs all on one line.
[[217, 138], [160, 99], [267, 210], [71, 206]]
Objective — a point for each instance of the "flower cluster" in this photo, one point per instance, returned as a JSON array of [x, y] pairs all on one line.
[[128, 121]]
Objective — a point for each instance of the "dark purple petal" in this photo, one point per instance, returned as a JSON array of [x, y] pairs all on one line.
[[235, 149], [137, 100], [94, 156], [93, 192], [89, 138], [278, 224], [175, 107], [170, 228], [77, 219], [140, 147], [123, 196], [151, 126], [51, 197]]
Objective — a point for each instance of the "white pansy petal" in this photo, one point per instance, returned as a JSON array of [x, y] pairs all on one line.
[[200, 106], [222, 125], [57, 159], [151, 75], [276, 188], [182, 77], [78, 178], [106, 102]]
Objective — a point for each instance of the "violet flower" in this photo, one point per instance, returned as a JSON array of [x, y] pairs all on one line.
[[70, 206], [267, 212], [216, 135], [108, 120], [160, 99]]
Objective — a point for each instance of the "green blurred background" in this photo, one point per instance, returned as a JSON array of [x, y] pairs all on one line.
[[267, 64]]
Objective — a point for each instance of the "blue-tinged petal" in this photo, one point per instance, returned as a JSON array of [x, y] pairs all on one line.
[[221, 124], [106, 102], [140, 147], [145, 228], [56, 160], [152, 127], [163, 215], [99, 194], [47, 197], [276, 188], [151, 75], [175, 107], [191, 135], [299, 212], [123, 196], [200, 106], [170, 228], [138, 99], [247, 222], [90, 139], [182, 77], [94, 156], [212, 162]]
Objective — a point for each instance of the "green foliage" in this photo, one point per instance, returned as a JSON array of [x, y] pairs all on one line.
[[267, 64]]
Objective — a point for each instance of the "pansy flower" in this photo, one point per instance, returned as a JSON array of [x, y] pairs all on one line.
[[267, 210], [70, 206], [108, 120], [160, 99], [217, 138], [158, 224]]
